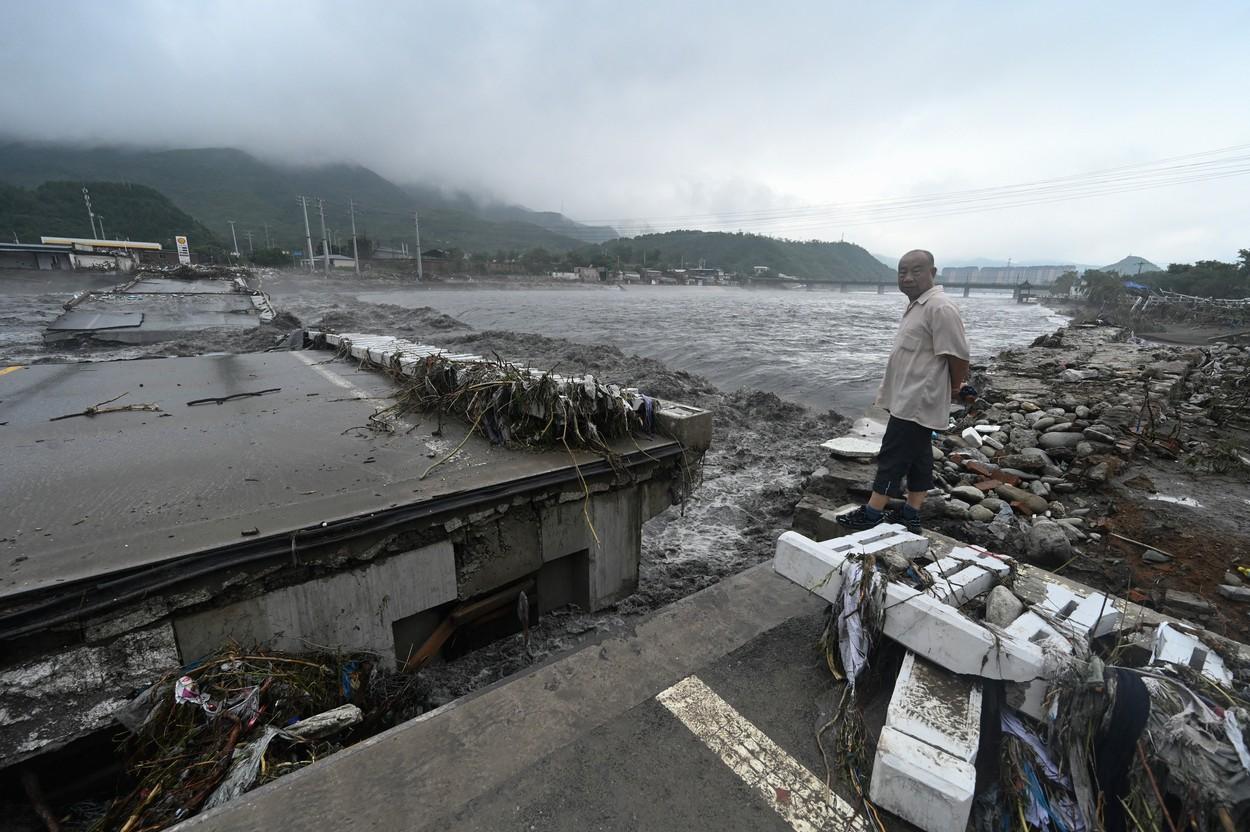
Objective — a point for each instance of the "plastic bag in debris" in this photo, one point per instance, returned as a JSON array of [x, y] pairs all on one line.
[[244, 768], [187, 692], [855, 640], [1195, 744], [139, 711]]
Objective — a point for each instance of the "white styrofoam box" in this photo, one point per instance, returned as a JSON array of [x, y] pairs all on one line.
[[1030, 697], [958, 587], [943, 635], [1084, 615], [972, 437], [922, 784], [1176, 647], [878, 539], [919, 622], [938, 707], [813, 566]]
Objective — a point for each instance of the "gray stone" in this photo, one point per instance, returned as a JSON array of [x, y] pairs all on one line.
[[1024, 475], [1099, 433], [1028, 499], [1022, 438], [1235, 593], [1076, 522], [1062, 439], [1044, 422], [1022, 462], [1057, 412], [1187, 602], [938, 456], [1084, 449], [957, 509], [981, 514], [1029, 407], [968, 494], [1153, 556], [994, 504], [1057, 509], [1082, 412], [1060, 427], [1233, 579], [1099, 473], [1002, 606], [1047, 542], [991, 442], [1039, 453], [1039, 488]]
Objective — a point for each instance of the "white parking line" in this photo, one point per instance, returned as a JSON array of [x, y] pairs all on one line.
[[782, 781]]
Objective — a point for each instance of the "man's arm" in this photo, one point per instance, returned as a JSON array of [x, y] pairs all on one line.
[[958, 369]]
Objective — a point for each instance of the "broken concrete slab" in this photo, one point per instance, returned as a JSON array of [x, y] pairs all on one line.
[[921, 784], [937, 707]]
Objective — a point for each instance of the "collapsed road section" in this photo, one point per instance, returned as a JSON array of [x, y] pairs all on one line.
[[159, 306], [158, 509]]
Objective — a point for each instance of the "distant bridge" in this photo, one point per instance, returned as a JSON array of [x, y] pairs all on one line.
[[883, 286]]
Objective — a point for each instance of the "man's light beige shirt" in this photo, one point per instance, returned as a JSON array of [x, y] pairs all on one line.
[[917, 384]]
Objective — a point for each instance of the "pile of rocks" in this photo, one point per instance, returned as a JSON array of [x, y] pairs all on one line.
[[1059, 422]]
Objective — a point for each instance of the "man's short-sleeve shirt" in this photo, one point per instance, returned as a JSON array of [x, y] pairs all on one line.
[[917, 383]]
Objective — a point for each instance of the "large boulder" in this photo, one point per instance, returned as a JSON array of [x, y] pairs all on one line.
[[1002, 606], [1019, 438], [969, 494], [1047, 543]]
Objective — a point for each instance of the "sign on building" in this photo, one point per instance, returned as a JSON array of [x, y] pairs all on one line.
[[184, 251]]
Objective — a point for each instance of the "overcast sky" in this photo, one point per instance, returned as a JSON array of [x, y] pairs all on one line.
[[687, 113]]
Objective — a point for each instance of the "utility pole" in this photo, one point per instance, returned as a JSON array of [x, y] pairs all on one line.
[[100, 219], [234, 237], [248, 234], [325, 242], [86, 197], [416, 219], [307, 233], [351, 207], [268, 243]]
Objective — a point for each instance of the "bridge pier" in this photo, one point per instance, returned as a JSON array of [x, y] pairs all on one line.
[[967, 291], [880, 288], [843, 288]]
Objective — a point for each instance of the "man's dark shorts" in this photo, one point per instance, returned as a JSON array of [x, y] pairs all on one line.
[[906, 453]]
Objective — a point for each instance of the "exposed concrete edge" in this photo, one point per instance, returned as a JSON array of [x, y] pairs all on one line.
[[429, 767]]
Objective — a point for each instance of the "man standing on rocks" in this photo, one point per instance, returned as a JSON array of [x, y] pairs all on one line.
[[924, 375]]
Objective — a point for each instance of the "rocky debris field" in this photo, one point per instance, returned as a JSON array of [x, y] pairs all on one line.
[[1092, 453]]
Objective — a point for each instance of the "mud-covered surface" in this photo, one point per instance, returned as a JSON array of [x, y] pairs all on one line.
[[763, 448]]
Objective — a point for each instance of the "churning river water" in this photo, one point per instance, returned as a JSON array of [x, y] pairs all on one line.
[[825, 350]]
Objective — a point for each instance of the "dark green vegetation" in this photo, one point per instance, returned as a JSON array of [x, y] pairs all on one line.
[[217, 184], [812, 260], [1206, 278], [128, 212]]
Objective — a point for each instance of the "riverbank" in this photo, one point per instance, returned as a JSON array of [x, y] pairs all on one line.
[[1121, 462]]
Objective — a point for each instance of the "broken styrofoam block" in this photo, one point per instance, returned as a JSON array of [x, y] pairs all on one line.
[[814, 566], [943, 635], [878, 539], [1174, 646], [938, 707], [853, 447], [959, 587], [1088, 616], [922, 784], [971, 438]]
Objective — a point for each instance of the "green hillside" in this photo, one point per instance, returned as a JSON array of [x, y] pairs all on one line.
[[218, 184], [128, 211], [811, 260]]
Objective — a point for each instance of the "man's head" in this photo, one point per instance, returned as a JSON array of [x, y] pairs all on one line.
[[916, 272]]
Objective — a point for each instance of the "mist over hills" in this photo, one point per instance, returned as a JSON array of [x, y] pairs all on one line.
[[215, 185]]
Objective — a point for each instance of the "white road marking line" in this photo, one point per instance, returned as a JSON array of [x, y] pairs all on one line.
[[330, 376], [794, 792]]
